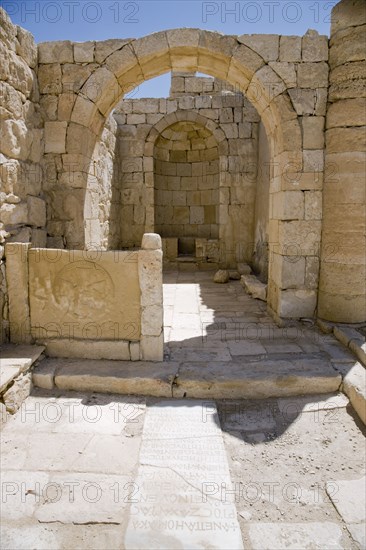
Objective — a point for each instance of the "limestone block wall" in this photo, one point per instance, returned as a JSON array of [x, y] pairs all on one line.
[[102, 203], [22, 204], [92, 304], [286, 80], [197, 185], [342, 289], [186, 182], [261, 235]]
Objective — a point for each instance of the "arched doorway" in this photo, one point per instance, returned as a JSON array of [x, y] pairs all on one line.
[[227, 58]]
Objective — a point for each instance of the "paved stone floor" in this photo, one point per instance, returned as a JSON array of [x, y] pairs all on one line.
[[92, 471], [206, 321], [96, 471]]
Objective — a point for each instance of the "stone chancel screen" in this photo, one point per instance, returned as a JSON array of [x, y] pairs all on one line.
[[74, 297]]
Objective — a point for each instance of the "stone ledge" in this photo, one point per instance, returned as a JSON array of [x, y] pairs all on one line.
[[121, 377], [15, 380], [354, 386], [348, 335], [353, 339]]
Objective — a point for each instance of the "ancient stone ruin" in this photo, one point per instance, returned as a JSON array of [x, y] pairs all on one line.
[[260, 162]]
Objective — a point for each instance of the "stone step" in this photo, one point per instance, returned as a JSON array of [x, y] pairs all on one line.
[[253, 378]]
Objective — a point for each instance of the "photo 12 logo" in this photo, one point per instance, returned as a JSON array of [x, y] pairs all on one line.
[[73, 11], [266, 12]]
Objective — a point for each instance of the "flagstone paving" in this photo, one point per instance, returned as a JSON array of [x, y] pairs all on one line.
[[96, 471]]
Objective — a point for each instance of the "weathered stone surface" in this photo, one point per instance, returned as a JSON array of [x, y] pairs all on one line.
[[89, 349], [17, 283], [266, 45], [290, 48], [117, 377], [244, 269], [344, 17], [221, 276], [43, 375], [254, 287], [20, 356], [26, 47], [354, 386], [36, 211], [288, 271], [84, 52], [13, 214], [151, 241], [150, 277], [297, 303], [172, 425], [350, 500], [312, 75], [346, 113], [7, 374], [278, 536], [90, 310], [347, 46], [313, 132], [55, 534], [55, 137], [255, 380], [3, 414], [55, 52], [234, 275], [314, 47], [15, 139], [152, 347], [17, 393], [288, 205]]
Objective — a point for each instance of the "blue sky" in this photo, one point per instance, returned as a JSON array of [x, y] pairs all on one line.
[[81, 20]]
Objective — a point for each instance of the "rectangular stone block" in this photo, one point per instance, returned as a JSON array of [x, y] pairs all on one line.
[[18, 292], [197, 215], [313, 205], [297, 303], [55, 137], [314, 47], [300, 238], [36, 211], [89, 349], [150, 277], [312, 75], [79, 295], [288, 205], [174, 432], [290, 48], [313, 132], [288, 271], [152, 348]]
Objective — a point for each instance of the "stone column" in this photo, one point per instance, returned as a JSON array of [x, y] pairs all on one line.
[[342, 289], [18, 292], [150, 269]]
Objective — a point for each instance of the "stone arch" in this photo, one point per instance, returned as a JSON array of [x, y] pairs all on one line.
[[247, 68], [198, 119]]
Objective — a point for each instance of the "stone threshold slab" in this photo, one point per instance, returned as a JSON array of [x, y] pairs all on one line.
[[205, 379], [120, 377], [256, 379], [184, 497]]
